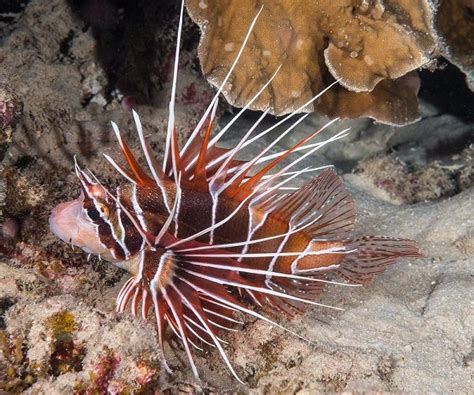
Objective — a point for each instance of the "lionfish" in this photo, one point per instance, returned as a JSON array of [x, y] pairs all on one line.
[[206, 236]]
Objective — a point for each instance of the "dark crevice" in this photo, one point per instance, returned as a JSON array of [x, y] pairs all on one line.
[[10, 12], [446, 89], [24, 161], [135, 41], [5, 304], [65, 46], [433, 287], [469, 357]]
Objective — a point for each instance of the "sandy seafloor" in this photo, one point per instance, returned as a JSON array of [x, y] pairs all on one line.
[[410, 331]]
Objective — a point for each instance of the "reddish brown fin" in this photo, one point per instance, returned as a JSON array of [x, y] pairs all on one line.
[[192, 151], [335, 204], [300, 288], [200, 169], [323, 200], [245, 188], [214, 153], [198, 315], [138, 172], [372, 254], [154, 163]]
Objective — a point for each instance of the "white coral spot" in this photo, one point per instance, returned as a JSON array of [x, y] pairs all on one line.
[[368, 60]]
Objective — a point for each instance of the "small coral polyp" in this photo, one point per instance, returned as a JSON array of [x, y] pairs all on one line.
[[208, 237]]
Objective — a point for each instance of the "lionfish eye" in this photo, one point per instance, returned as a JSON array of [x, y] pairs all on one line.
[[101, 211], [93, 214]]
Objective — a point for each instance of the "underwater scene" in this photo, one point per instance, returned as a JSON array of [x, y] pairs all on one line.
[[236, 196]]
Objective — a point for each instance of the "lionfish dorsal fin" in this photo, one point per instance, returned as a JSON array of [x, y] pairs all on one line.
[[136, 172], [152, 162], [244, 187], [323, 207], [200, 168], [173, 164]]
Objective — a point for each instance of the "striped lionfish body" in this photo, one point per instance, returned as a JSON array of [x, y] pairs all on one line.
[[206, 236]]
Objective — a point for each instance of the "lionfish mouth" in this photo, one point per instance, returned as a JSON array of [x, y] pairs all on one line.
[[259, 240]]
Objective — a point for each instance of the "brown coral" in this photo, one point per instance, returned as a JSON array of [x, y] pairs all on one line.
[[361, 43]]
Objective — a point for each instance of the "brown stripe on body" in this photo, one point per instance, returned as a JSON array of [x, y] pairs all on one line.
[[151, 202]]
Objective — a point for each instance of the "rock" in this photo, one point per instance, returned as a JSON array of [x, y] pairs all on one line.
[[10, 110], [456, 27], [51, 53]]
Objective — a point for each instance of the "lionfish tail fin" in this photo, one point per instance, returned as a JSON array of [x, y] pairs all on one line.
[[372, 254]]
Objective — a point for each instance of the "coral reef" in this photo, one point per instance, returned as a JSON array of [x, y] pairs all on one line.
[[408, 185], [10, 110], [3, 188], [465, 177], [411, 331], [366, 45], [74, 70], [75, 345]]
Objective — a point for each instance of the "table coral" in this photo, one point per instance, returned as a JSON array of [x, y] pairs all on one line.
[[361, 43]]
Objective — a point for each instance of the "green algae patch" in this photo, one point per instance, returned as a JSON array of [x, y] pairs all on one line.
[[66, 356], [61, 325]]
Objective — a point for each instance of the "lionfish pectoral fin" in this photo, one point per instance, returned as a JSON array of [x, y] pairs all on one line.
[[372, 254], [335, 204]]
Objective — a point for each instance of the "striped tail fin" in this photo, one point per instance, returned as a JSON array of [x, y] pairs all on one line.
[[372, 254]]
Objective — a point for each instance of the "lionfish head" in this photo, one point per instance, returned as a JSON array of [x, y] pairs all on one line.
[[89, 221]]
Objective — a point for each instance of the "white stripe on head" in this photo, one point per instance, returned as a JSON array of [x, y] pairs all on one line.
[[121, 239]]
